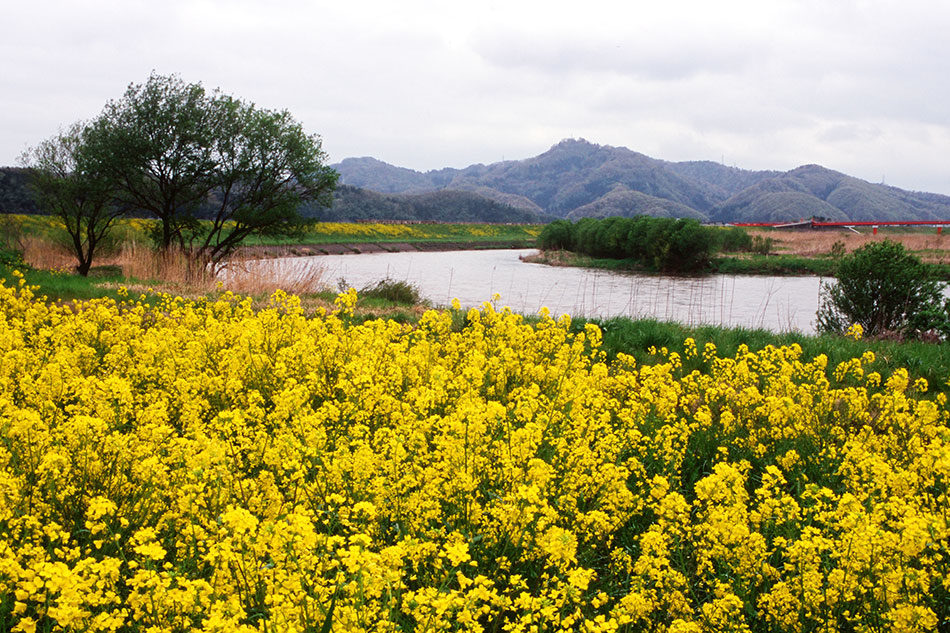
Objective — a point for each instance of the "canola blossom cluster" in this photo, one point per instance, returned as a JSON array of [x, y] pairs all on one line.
[[204, 466], [379, 230], [321, 232]]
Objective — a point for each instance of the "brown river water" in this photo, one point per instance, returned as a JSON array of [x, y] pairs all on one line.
[[779, 304]]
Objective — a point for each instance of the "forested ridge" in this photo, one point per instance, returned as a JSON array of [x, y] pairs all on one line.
[[576, 179]]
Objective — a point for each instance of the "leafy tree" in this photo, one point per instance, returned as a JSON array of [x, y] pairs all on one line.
[[182, 154], [558, 235], [585, 236], [881, 287], [268, 166], [612, 237], [65, 184], [689, 247], [657, 242]]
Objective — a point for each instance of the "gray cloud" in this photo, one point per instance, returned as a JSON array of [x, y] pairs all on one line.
[[856, 85], [655, 58]]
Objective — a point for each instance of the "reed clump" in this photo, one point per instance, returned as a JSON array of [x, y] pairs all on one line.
[[45, 254], [247, 278], [142, 267], [393, 291]]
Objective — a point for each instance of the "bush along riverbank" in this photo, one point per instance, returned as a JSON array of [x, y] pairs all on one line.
[[658, 244]]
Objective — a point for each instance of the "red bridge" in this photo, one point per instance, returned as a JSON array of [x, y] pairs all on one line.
[[815, 224]]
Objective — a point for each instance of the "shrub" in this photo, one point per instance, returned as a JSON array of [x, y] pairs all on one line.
[[883, 288], [762, 245], [401, 292], [733, 239], [10, 258], [558, 235], [11, 242], [689, 247], [838, 250]]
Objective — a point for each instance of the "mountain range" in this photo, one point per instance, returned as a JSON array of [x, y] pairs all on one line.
[[576, 179]]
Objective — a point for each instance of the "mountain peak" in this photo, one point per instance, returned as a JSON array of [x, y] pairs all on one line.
[[575, 142]]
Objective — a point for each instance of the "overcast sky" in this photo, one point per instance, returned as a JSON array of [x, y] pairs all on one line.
[[858, 86]]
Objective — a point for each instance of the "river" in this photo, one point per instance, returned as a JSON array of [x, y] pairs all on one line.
[[779, 304]]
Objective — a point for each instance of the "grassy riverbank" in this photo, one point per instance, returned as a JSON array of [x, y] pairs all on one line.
[[384, 299], [449, 234], [639, 337], [803, 254]]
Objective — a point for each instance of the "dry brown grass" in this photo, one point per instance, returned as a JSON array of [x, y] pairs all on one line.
[[173, 267], [45, 254], [929, 246], [251, 278], [177, 273], [551, 258], [147, 272]]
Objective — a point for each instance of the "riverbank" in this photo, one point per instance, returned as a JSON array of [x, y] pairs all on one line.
[[638, 337], [642, 338], [773, 265], [269, 251], [777, 265]]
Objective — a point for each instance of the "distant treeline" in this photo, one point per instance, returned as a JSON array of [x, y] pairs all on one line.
[[15, 194], [350, 204], [658, 244]]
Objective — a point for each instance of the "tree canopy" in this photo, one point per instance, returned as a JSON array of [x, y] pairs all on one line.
[[65, 184], [180, 153]]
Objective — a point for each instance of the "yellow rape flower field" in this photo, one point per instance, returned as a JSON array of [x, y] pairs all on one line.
[[138, 230], [203, 466]]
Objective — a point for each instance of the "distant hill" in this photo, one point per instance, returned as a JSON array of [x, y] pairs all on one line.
[[722, 182], [628, 203], [576, 178], [571, 174], [473, 204], [369, 173], [353, 203], [812, 190]]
